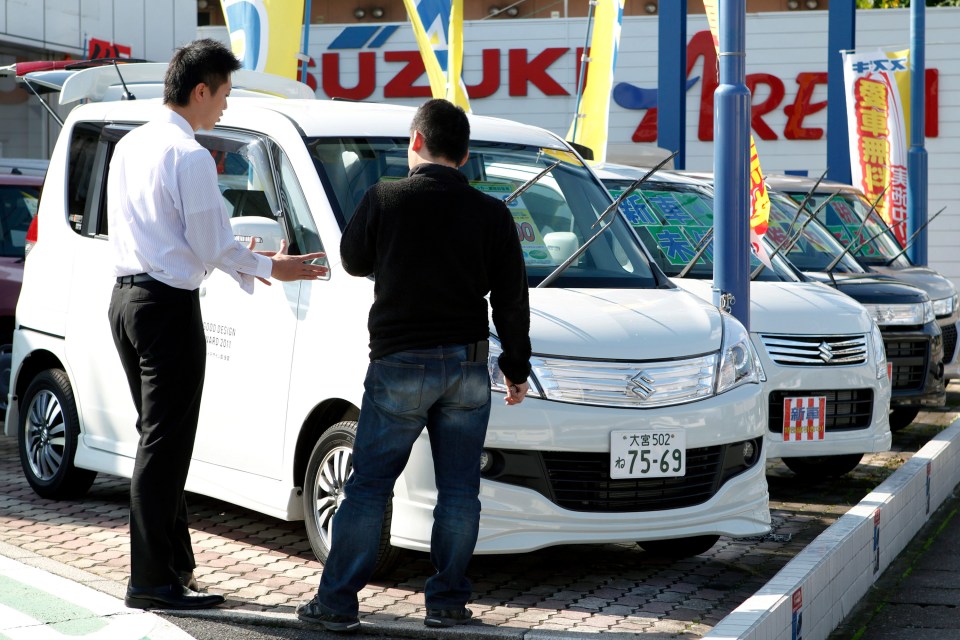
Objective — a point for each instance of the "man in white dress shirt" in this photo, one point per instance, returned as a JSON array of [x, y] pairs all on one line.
[[169, 229]]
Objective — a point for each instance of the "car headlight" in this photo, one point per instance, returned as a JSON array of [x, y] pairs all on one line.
[[496, 375], [945, 306], [887, 315], [739, 363], [879, 352]]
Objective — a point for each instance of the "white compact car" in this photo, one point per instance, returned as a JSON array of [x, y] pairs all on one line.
[[828, 392], [645, 418]]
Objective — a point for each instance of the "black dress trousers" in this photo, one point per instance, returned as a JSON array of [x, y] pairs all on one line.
[[158, 332]]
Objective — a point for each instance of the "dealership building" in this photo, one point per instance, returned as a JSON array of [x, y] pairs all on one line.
[[521, 61]]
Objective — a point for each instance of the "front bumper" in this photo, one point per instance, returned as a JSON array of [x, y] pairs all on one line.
[[949, 327], [857, 407], [916, 354], [517, 518]]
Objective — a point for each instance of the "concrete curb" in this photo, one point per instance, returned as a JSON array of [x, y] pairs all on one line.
[[825, 581], [45, 599]]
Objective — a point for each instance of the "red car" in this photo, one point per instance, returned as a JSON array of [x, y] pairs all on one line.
[[19, 197]]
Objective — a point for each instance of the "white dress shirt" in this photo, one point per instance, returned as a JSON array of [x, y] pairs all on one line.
[[165, 213]]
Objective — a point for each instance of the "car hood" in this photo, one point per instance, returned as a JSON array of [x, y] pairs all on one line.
[[871, 289], [797, 308], [936, 286], [622, 324]]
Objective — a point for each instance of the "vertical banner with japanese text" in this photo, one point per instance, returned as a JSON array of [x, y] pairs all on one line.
[[265, 34], [590, 126], [876, 120], [438, 28], [759, 199]]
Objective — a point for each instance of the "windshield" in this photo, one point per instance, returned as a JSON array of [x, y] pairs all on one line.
[[671, 219], [553, 217], [18, 206], [817, 248], [844, 216]]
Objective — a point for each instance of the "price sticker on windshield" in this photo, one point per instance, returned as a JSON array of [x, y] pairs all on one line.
[[660, 453]]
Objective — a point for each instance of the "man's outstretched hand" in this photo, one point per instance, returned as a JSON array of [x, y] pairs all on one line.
[[287, 268]]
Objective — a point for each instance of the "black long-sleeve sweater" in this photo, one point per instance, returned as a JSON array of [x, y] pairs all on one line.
[[436, 247]]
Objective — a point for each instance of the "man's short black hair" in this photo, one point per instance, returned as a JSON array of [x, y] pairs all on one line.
[[445, 129], [206, 60]]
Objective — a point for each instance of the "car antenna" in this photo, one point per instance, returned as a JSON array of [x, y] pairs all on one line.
[[553, 275], [914, 236], [806, 198], [126, 93], [789, 242]]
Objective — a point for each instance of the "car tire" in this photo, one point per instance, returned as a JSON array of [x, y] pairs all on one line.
[[814, 467], [48, 436], [902, 417], [679, 548], [330, 464]]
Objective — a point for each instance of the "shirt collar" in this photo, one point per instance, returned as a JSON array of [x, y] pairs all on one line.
[[175, 118]]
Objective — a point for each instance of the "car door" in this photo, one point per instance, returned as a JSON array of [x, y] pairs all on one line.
[[250, 337]]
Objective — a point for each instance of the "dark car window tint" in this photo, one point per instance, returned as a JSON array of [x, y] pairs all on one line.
[[18, 206]]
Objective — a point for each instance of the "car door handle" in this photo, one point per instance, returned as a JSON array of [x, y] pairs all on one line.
[[203, 291]]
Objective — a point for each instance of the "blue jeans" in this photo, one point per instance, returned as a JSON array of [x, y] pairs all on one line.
[[403, 392]]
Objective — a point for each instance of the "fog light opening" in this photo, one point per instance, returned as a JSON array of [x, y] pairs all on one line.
[[486, 461], [750, 451]]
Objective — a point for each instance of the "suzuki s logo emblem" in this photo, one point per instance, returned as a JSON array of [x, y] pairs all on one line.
[[641, 385], [826, 353]]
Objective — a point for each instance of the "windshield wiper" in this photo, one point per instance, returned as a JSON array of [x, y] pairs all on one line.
[[553, 275], [788, 242], [913, 237], [850, 248], [529, 183], [698, 251]]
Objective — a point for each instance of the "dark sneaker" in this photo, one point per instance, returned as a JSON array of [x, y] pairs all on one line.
[[447, 617], [316, 613]]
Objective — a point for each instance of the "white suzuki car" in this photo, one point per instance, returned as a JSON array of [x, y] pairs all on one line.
[[645, 419], [828, 392]]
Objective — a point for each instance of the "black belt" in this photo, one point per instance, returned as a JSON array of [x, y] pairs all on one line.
[[138, 278]]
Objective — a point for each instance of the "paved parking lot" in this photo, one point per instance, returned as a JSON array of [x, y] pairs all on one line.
[[264, 564]]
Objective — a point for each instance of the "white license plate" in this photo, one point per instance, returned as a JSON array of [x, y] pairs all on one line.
[[648, 453]]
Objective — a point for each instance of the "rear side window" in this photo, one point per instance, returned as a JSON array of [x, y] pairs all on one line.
[[85, 187]]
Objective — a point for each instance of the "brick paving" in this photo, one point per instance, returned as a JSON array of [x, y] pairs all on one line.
[[263, 564]]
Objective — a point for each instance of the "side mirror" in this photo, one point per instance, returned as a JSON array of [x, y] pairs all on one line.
[[561, 245], [266, 230]]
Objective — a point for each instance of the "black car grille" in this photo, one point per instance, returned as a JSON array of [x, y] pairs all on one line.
[[580, 481], [847, 410], [949, 341], [909, 360]]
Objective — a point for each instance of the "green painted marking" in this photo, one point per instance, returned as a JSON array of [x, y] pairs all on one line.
[[46, 608]]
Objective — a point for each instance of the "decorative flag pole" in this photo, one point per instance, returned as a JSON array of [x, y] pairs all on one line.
[[731, 165], [917, 156], [305, 43]]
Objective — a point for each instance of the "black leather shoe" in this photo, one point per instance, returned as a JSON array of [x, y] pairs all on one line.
[[174, 596], [189, 580]]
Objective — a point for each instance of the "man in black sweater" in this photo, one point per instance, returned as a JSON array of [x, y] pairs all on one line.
[[436, 247]]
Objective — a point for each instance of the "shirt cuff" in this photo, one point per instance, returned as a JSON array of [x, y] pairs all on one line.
[[264, 266]]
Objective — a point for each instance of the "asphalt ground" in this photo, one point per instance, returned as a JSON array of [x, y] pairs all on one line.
[[264, 566]]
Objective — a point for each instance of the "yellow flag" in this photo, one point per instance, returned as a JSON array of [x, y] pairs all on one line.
[[591, 122], [438, 27], [265, 34]]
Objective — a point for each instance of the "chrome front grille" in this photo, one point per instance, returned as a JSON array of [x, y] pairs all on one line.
[[816, 351], [626, 384]]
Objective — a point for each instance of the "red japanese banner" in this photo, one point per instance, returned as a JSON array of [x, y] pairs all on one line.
[[876, 119]]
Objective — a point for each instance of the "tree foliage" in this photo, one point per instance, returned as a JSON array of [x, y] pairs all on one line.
[[893, 4]]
